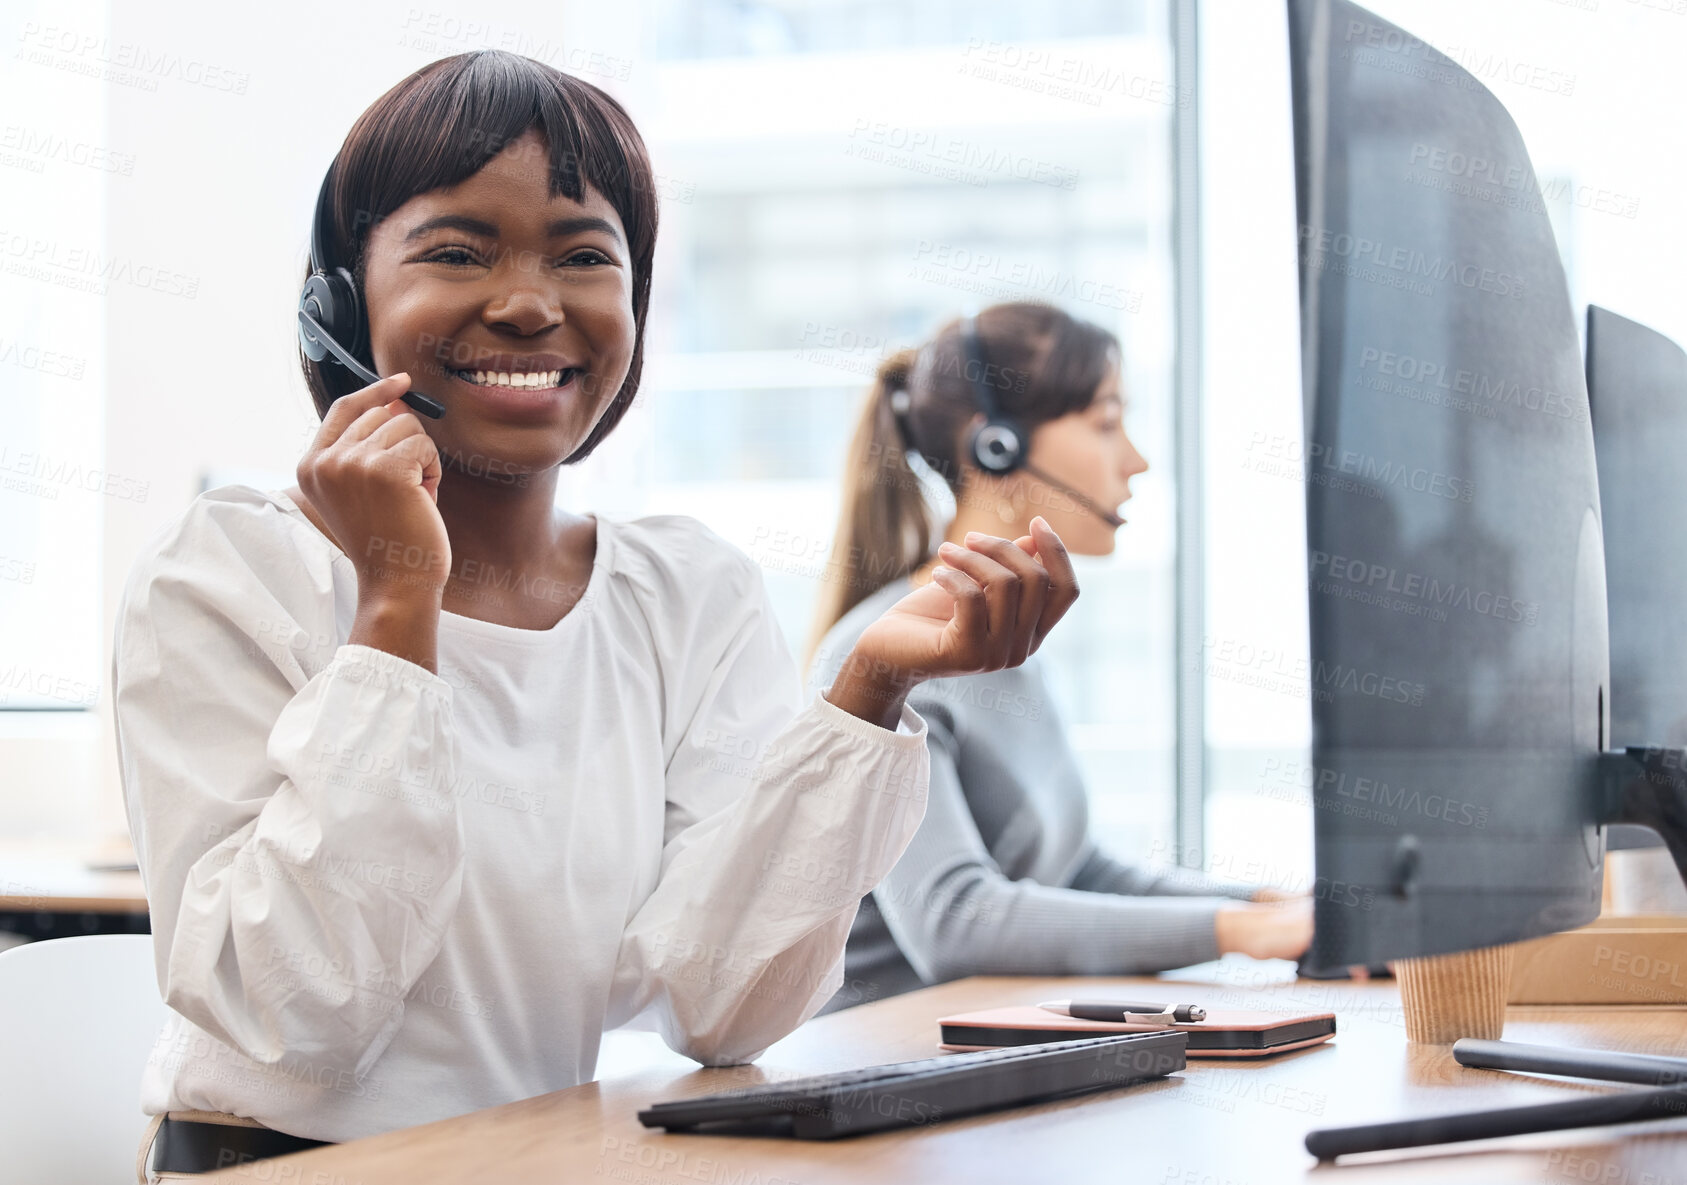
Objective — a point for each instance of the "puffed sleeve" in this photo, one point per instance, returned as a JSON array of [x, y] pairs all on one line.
[[289, 797], [780, 817]]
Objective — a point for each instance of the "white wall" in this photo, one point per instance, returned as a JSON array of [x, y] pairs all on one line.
[[58, 171]]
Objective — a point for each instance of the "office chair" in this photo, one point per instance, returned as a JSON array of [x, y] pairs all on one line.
[[78, 1017]]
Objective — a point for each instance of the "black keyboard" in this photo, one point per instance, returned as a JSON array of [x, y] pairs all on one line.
[[912, 1094]]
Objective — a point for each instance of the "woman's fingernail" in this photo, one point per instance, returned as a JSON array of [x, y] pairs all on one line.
[[1042, 520], [973, 536]]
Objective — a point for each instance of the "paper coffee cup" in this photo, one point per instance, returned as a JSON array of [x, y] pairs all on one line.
[[1458, 995]]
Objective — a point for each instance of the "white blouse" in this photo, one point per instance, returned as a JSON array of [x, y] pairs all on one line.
[[382, 896]]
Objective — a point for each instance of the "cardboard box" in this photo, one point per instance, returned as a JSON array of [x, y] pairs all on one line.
[[1616, 960]]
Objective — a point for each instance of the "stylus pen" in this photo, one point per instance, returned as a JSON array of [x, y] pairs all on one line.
[[1123, 1011], [1642, 1069], [1597, 1111]]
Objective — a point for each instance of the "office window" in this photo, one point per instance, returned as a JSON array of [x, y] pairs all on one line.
[[732, 28], [838, 180]]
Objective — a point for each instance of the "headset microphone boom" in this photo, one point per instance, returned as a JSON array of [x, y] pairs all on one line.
[[331, 313]]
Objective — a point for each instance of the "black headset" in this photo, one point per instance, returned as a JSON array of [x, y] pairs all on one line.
[[998, 445], [331, 313]]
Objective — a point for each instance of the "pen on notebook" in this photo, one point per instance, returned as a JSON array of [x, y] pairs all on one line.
[[1124, 1011]]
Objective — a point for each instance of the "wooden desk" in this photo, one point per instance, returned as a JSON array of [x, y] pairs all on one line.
[[1232, 1123], [57, 879]]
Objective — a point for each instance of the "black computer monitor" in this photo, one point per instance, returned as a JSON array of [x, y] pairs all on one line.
[[1456, 571], [1637, 389]]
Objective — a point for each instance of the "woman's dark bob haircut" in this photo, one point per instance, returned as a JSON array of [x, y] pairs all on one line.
[[439, 127]]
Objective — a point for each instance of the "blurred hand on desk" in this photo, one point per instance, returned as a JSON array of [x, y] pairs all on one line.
[[1274, 928], [1291, 928]]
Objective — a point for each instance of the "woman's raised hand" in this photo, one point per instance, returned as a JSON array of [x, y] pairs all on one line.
[[372, 476], [989, 605], [372, 473]]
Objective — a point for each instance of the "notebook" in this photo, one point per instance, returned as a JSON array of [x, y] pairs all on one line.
[[1225, 1033]]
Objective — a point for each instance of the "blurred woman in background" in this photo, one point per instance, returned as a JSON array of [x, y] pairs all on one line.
[[1003, 875]]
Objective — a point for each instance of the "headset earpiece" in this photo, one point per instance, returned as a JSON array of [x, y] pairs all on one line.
[[330, 296], [997, 445], [331, 299], [331, 321]]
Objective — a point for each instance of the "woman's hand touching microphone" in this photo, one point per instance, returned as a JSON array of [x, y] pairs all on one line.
[[989, 608], [372, 475]]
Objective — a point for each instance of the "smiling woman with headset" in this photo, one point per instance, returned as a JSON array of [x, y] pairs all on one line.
[[1017, 410], [431, 782]]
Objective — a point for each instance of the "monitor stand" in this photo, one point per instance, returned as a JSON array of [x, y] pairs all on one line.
[[1648, 786], [1644, 786]]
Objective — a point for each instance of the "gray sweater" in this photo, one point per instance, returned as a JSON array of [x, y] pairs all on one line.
[[1003, 877]]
